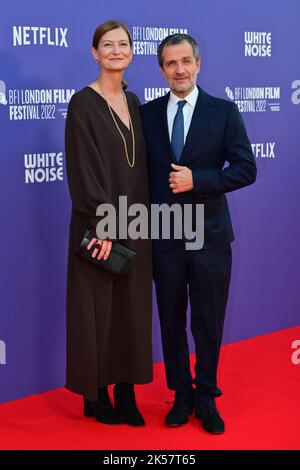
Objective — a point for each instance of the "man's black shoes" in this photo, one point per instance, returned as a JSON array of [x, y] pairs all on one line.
[[208, 413], [183, 406]]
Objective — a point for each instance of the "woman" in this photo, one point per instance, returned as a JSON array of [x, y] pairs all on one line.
[[108, 317]]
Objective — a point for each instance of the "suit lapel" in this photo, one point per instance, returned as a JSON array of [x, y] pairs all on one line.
[[162, 125], [199, 123]]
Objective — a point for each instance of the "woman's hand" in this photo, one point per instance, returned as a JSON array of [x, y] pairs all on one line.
[[101, 246]]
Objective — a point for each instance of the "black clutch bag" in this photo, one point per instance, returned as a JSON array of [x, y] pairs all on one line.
[[119, 261]]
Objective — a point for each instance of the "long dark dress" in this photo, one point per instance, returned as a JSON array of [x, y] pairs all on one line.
[[108, 317]]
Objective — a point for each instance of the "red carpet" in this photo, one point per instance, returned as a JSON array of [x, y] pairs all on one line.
[[260, 406]]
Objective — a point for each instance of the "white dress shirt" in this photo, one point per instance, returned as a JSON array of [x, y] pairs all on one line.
[[187, 110]]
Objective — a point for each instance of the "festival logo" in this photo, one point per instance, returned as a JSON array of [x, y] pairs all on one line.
[[3, 99], [146, 39], [255, 99], [35, 104]]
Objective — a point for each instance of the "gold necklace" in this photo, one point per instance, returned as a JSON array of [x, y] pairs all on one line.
[[131, 164]]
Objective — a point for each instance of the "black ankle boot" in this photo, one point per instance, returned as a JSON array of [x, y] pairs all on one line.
[[125, 404], [102, 409]]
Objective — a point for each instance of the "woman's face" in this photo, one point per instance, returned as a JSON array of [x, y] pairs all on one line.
[[114, 51]]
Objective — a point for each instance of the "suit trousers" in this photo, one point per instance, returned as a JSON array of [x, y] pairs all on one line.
[[203, 278]]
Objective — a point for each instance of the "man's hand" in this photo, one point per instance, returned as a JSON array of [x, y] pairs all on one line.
[[180, 180]]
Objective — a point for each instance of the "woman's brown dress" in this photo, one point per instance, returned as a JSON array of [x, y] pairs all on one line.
[[108, 317]]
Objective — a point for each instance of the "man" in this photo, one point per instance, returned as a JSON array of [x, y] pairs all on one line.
[[190, 135]]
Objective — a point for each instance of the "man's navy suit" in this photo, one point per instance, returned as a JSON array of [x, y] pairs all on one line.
[[216, 135]]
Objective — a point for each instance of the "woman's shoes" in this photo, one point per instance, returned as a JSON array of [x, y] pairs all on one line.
[[102, 409], [125, 405], [125, 410]]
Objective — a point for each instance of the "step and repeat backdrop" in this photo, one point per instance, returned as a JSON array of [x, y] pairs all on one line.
[[250, 55]]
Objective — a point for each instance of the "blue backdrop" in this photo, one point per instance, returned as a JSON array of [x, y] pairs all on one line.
[[249, 55]]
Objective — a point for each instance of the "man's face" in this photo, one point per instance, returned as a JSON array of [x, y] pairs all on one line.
[[180, 68]]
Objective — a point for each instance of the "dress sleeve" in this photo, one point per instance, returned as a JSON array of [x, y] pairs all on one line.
[[136, 100], [85, 166]]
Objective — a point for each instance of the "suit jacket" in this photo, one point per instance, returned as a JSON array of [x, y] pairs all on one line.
[[216, 135]]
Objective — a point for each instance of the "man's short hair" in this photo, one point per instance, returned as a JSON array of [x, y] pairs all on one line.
[[177, 38]]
